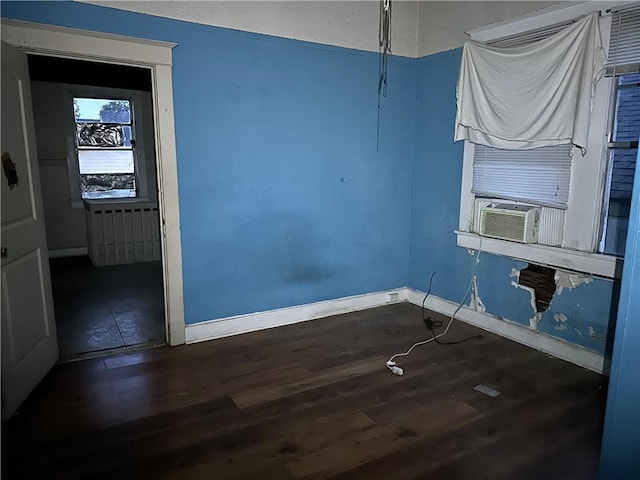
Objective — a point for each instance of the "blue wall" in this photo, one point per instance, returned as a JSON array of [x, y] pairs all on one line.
[[620, 456], [283, 197], [435, 203]]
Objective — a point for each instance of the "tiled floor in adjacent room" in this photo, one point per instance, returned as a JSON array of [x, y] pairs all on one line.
[[103, 308]]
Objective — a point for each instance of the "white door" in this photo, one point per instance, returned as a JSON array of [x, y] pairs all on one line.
[[29, 342]]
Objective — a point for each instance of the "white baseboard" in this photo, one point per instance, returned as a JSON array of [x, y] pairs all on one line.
[[513, 331], [224, 327], [251, 322], [68, 252]]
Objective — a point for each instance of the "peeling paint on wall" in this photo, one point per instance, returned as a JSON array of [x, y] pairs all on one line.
[[560, 319], [533, 322], [593, 334], [569, 280], [528, 289], [476, 301]]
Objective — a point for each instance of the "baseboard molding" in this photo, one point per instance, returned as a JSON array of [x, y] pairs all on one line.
[[224, 327], [518, 333], [68, 252]]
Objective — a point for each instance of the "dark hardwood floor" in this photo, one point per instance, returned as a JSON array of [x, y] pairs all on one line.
[[314, 400]]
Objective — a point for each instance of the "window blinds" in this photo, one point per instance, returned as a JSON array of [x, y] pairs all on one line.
[[624, 43], [540, 176]]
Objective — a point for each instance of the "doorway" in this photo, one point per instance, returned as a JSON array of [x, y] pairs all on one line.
[[94, 132], [29, 338], [156, 56]]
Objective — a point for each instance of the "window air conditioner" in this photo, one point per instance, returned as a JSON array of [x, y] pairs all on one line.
[[518, 223]]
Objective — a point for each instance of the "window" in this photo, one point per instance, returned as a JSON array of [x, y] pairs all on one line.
[[104, 147], [583, 201], [623, 150]]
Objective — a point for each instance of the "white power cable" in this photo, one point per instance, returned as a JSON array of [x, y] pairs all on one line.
[[391, 365]]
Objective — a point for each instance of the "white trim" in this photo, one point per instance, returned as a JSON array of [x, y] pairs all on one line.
[[239, 324], [513, 331], [467, 199], [86, 44], [68, 252], [157, 56], [540, 18], [605, 266], [224, 327]]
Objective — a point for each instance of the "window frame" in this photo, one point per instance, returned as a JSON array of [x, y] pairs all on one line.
[[137, 129], [611, 146], [578, 250]]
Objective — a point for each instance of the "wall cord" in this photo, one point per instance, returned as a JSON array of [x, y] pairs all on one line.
[[391, 364]]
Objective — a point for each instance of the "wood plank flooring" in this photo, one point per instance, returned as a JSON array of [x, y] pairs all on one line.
[[314, 401]]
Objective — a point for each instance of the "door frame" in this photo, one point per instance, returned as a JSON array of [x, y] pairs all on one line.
[[155, 55]]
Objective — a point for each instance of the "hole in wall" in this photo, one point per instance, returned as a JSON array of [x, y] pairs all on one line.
[[542, 281]]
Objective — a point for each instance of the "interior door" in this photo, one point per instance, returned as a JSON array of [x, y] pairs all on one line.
[[29, 342]]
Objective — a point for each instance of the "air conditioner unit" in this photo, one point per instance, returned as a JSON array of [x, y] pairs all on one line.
[[517, 223]]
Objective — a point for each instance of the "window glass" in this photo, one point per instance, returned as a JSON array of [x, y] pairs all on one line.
[[627, 118], [104, 146], [623, 151]]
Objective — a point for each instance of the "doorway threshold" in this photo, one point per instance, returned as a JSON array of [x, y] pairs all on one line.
[[75, 357]]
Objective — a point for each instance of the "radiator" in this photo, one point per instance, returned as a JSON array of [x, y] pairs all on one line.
[[123, 232]]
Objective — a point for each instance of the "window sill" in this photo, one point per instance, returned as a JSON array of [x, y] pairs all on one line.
[[604, 266], [86, 203], [99, 204]]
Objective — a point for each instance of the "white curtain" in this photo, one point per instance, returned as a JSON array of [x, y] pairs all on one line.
[[534, 95]]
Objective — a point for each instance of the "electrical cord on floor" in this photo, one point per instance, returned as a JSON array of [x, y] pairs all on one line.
[[430, 324], [391, 364], [437, 323]]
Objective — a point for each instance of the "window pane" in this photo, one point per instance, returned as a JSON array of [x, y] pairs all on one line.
[[101, 135], [627, 126], [105, 161], [624, 167], [108, 186], [621, 186], [102, 110]]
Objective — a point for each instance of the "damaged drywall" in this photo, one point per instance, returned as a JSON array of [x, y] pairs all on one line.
[[543, 283], [569, 280], [539, 281], [476, 302]]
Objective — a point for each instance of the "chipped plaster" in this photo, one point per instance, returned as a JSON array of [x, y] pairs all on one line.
[[569, 280], [537, 316], [533, 322], [560, 319], [476, 302]]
